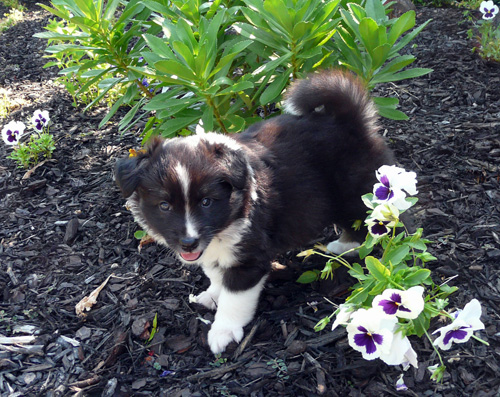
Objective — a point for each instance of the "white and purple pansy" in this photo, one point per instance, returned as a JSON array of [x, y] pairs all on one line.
[[40, 119], [344, 313], [400, 353], [489, 9], [377, 227], [404, 304], [461, 329], [12, 132], [382, 218], [394, 184], [400, 384], [371, 333]]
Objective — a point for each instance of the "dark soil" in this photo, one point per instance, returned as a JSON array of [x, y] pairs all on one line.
[[65, 229]]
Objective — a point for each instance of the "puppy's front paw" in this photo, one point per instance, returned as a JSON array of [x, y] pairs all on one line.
[[207, 299], [337, 247], [223, 333]]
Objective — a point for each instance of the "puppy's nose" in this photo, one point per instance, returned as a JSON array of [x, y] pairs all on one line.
[[189, 243]]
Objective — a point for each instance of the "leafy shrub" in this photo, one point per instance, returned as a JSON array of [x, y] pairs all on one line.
[[222, 65]]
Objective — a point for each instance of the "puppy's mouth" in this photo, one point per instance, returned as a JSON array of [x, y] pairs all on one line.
[[191, 256]]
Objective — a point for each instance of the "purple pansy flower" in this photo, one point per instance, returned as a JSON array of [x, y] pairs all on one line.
[[12, 132], [404, 304], [489, 9], [382, 219], [394, 184], [40, 119], [462, 328], [371, 333], [400, 384]]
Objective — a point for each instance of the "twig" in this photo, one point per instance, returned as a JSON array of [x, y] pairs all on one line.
[[215, 372], [246, 341], [320, 373]]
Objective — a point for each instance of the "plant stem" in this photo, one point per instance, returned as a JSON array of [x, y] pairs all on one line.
[[216, 113]]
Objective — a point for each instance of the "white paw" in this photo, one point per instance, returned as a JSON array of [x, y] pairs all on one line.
[[207, 299], [221, 334], [337, 247]]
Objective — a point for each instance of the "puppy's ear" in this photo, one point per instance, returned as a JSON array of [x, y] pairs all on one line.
[[237, 171], [234, 164], [128, 171]]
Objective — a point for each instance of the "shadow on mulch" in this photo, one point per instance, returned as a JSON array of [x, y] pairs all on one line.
[[65, 230]]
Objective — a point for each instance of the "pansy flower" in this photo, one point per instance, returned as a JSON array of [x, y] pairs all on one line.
[[400, 353], [489, 9], [346, 310], [404, 304], [382, 219], [461, 329], [394, 184], [371, 333], [40, 119], [12, 132], [400, 384]]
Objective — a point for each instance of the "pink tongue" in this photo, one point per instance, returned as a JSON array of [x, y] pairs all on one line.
[[190, 256]]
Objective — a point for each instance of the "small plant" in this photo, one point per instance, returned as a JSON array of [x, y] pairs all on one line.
[[14, 16], [39, 146], [281, 369], [395, 296], [488, 32], [218, 361]]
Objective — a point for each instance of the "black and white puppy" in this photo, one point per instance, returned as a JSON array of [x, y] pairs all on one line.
[[231, 203]]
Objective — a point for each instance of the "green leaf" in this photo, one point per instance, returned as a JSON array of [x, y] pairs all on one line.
[[111, 112], [404, 23], [378, 288], [234, 123], [158, 46], [395, 256], [175, 68], [185, 53], [417, 277], [139, 234], [173, 126], [237, 87], [368, 29], [421, 324], [387, 108], [309, 277], [377, 269], [273, 91]]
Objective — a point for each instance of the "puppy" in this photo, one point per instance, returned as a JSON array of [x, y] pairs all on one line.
[[230, 203]]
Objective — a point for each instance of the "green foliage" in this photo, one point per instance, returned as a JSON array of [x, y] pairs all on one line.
[[369, 43], [281, 368], [184, 63], [401, 266], [14, 16], [39, 147], [488, 36]]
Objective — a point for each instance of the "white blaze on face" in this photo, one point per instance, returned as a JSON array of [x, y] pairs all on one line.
[[184, 180]]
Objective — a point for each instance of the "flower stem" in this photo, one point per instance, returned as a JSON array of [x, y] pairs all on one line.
[[480, 340], [434, 347]]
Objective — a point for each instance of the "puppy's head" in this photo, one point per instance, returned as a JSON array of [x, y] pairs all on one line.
[[184, 191]]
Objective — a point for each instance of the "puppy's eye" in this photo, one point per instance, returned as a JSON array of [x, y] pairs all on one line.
[[206, 202], [164, 206]]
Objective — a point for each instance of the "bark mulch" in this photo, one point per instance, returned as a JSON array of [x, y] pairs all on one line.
[[64, 231]]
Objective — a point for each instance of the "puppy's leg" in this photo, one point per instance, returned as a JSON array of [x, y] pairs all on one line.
[[235, 310], [210, 297], [346, 242]]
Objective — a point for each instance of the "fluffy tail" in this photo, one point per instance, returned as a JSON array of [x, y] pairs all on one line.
[[333, 93]]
